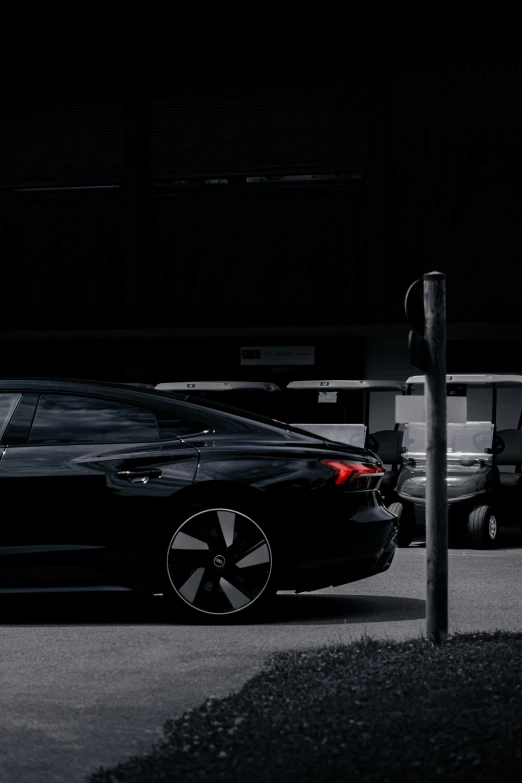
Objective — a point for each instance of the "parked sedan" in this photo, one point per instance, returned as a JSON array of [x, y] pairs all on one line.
[[112, 487]]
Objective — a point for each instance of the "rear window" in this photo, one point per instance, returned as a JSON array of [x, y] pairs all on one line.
[[219, 406], [171, 426], [8, 403], [247, 416]]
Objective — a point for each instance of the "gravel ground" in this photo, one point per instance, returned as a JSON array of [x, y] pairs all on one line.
[[372, 710]]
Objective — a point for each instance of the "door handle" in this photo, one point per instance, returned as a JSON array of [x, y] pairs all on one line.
[[139, 476]]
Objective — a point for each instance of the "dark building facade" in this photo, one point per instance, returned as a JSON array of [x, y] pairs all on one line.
[[159, 231]]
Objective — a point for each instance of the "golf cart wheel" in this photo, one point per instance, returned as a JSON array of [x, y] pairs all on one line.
[[482, 527], [406, 519], [219, 564]]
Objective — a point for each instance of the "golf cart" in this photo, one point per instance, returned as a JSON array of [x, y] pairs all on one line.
[[254, 396], [480, 497], [340, 411]]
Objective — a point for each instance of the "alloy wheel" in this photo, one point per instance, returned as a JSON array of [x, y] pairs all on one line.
[[219, 561]]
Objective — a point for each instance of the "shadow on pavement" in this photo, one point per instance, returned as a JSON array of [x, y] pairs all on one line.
[[508, 538], [285, 608], [309, 608]]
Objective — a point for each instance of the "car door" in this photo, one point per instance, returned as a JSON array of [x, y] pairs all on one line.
[[85, 479]]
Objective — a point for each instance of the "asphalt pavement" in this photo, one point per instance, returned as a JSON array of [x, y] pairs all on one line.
[[91, 681]]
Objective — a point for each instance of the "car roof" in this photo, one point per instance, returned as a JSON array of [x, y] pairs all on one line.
[[83, 385], [34, 380], [475, 380], [38, 380], [191, 386], [349, 385]]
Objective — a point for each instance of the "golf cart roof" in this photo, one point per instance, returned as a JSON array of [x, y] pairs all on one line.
[[217, 386], [475, 380], [349, 385]]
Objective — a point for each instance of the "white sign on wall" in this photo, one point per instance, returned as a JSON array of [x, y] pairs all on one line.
[[274, 354], [412, 408]]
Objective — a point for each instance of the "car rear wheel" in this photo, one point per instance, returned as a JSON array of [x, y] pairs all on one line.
[[482, 527], [219, 564], [406, 519]]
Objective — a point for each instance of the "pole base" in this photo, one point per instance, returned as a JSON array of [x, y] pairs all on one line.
[[437, 636]]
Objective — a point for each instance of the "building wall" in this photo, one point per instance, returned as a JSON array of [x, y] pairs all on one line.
[[169, 209], [126, 211], [260, 127], [258, 257], [160, 359], [454, 193]]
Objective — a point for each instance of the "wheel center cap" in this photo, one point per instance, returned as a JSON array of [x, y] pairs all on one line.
[[219, 561]]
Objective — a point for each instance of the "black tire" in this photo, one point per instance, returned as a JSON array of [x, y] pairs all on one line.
[[218, 564], [406, 519], [482, 527]]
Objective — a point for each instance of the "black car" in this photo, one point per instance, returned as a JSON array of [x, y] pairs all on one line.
[[111, 487]]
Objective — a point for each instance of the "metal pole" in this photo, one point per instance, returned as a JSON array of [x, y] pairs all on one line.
[[434, 286]]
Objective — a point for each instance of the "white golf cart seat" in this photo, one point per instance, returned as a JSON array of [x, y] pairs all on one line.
[[511, 454], [387, 444]]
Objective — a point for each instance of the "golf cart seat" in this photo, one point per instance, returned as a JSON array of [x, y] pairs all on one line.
[[387, 444], [511, 479], [511, 454]]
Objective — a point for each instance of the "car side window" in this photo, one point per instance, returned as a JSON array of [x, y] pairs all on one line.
[[8, 403], [172, 426], [68, 418], [17, 431]]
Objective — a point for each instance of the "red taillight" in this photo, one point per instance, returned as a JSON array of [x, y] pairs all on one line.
[[357, 474]]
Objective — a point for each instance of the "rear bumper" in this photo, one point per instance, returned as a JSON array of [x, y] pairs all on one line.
[[340, 548], [315, 575]]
